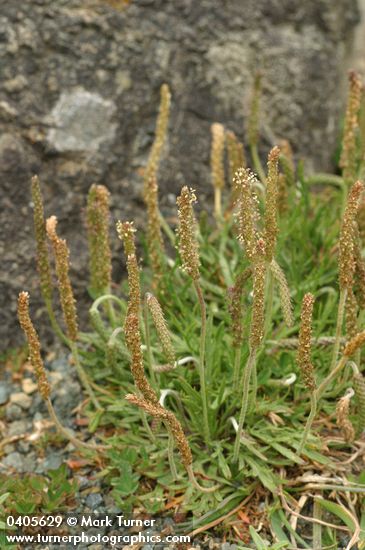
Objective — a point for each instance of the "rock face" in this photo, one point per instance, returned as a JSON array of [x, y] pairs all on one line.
[[79, 92]]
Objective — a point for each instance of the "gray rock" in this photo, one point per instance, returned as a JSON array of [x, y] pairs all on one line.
[[13, 412], [4, 392], [82, 121], [51, 462], [14, 460], [93, 500], [79, 96], [18, 427]]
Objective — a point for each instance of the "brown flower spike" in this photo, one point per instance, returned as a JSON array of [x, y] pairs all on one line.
[[132, 325], [271, 203], [126, 232], [61, 254], [154, 236], [188, 243], [247, 210], [33, 344], [346, 246], [304, 349], [157, 411], [161, 327], [348, 154], [343, 420], [134, 345], [160, 136], [236, 155], [41, 241], [98, 234]]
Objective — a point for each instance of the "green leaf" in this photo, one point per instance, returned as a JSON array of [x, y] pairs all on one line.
[[338, 511]]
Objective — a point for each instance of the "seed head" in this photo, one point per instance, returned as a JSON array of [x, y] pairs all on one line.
[[354, 344], [351, 314], [258, 302], [284, 291], [305, 348], [160, 135], [217, 155], [61, 255], [271, 204], [154, 236], [343, 418], [346, 246], [98, 218], [43, 266], [134, 345], [33, 344], [188, 244], [348, 154], [359, 388], [247, 210], [157, 411], [236, 155], [161, 327], [126, 232]]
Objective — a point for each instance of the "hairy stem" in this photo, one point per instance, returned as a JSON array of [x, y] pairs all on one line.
[[217, 203], [203, 389], [309, 423], [237, 367], [67, 434], [170, 453], [82, 375], [339, 324], [54, 323], [245, 389], [148, 345]]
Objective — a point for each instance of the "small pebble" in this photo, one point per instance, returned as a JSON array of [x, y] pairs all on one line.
[[93, 500], [13, 412], [4, 392], [21, 399], [18, 427], [28, 386]]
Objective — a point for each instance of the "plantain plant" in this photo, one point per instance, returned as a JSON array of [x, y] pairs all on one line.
[[212, 354]]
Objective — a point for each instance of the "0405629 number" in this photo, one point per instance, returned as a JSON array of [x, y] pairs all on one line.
[[34, 521]]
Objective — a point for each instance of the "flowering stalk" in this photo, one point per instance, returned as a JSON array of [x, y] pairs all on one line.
[[253, 126], [132, 327], [247, 210], [98, 216], [61, 255], [348, 154], [161, 327], [256, 333], [155, 243], [342, 417], [160, 136], [359, 388], [271, 204], [235, 310], [346, 260], [175, 429], [39, 369], [304, 361], [236, 160], [189, 253], [217, 166], [43, 264]]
